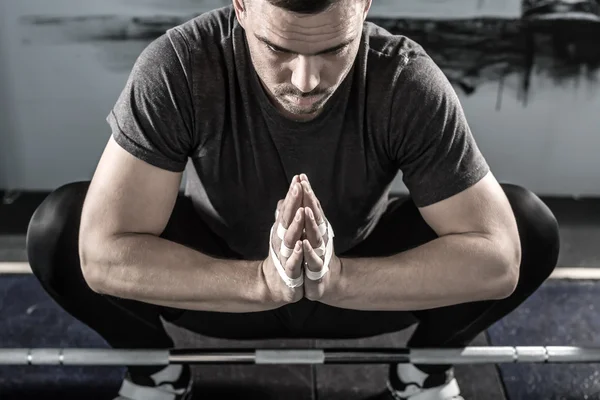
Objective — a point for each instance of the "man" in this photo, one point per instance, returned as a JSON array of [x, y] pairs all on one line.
[[306, 111]]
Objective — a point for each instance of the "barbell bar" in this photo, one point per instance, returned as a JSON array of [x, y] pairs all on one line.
[[463, 355]]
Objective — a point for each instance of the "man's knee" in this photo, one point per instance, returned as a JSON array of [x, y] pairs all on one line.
[[538, 230], [53, 229]]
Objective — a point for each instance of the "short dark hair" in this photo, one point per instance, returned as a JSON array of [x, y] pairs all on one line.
[[303, 6]]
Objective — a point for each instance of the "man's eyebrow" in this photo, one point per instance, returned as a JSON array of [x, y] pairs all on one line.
[[284, 50]]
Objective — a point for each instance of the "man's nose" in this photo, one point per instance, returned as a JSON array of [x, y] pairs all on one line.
[[305, 74]]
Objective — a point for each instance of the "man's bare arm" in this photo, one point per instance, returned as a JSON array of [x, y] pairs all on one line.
[[476, 257], [127, 207]]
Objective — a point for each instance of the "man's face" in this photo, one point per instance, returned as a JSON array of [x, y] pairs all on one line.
[[302, 59]]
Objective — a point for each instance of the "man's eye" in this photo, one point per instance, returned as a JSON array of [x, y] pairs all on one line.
[[332, 53], [274, 50]]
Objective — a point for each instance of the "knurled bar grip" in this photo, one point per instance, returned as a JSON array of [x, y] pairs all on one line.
[[290, 357], [465, 355], [83, 357]]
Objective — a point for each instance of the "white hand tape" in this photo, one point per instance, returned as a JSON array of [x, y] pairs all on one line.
[[291, 283], [315, 276], [285, 251], [323, 227], [321, 249], [281, 231]]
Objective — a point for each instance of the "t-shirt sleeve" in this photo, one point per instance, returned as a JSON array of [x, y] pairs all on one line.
[[153, 117], [431, 142]]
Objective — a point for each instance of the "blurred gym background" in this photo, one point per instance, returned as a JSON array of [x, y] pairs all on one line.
[[526, 72]]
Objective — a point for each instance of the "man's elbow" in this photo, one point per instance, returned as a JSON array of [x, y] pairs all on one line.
[[510, 270], [92, 274], [92, 268]]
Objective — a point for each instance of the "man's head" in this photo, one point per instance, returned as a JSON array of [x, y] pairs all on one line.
[[302, 49]]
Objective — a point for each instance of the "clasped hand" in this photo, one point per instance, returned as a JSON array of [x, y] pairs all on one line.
[[304, 263]]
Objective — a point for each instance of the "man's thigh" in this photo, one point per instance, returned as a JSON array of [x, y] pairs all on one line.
[[327, 322], [298, 320], [240, 326]]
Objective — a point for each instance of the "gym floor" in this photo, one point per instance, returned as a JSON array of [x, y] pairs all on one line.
[[564, 311]]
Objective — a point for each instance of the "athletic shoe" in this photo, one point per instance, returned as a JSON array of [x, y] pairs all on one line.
[[171, 383], [406, 382]]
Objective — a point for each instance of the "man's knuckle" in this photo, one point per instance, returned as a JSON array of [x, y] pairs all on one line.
[[289, 240]]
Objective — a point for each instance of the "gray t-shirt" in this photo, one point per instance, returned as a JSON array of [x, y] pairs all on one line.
[[193, 101]]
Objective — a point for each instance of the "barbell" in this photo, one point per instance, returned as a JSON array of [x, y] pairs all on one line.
[[463, 355]]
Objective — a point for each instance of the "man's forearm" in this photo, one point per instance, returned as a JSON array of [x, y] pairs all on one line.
[[153, 270], [449, 270]]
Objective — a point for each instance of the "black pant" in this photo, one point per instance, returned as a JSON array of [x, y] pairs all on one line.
[[52, 246]]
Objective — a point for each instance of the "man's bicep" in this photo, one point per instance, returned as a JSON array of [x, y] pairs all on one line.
[[128, 195], [483, 210]]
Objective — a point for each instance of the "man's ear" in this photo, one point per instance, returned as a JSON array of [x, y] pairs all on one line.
[[367, 7], [240, 11]]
